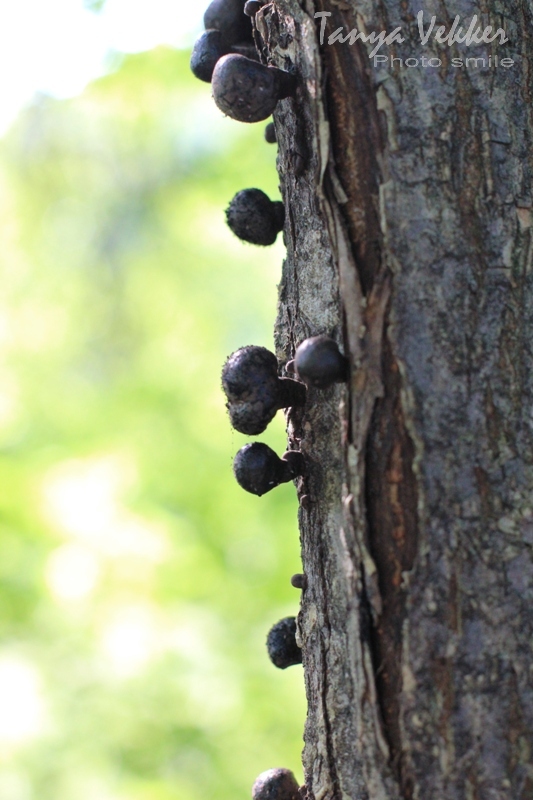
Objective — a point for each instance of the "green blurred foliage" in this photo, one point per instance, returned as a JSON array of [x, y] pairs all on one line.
[[94, 5], [138, 581]]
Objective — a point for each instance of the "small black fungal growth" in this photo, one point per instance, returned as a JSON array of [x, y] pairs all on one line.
[[208, 48], [320, 363], [252, 7], [276, 784], [270, 133], [258, 469], [281, 644], [228, 17], [254, 217], [255, 391], [248, 91], [299, 581]]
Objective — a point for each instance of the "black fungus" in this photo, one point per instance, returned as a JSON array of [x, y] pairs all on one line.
[[255, 391], [254, 217], [248, 91], [281, 644], [320, 363], [258, 469]]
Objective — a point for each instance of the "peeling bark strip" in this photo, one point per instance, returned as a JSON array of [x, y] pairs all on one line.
[[409, 240]]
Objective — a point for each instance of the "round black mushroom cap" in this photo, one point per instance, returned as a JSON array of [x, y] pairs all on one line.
[[299, 581], [255, 391], [251, 7], [270, 133], [228, 17], [254, 217], [249, 365], [208, 49], [248, 91], [275, 784], [320, 363], [281, 644], [258, 469]]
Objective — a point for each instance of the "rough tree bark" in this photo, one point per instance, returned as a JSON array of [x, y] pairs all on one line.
[[409, 239]]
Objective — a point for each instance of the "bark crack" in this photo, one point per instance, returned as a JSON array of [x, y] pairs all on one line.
[[377, 426], [391, 508]]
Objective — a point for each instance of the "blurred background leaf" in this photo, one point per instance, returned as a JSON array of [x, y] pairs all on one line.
[[138, 581], [94, 5]]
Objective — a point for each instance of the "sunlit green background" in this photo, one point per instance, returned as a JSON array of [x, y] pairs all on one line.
[[137, 580]]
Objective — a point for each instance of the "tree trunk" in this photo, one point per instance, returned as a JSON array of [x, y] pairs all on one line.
[[409, 239]]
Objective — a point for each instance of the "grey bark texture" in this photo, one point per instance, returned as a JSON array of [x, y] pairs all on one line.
[[409, 240]]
